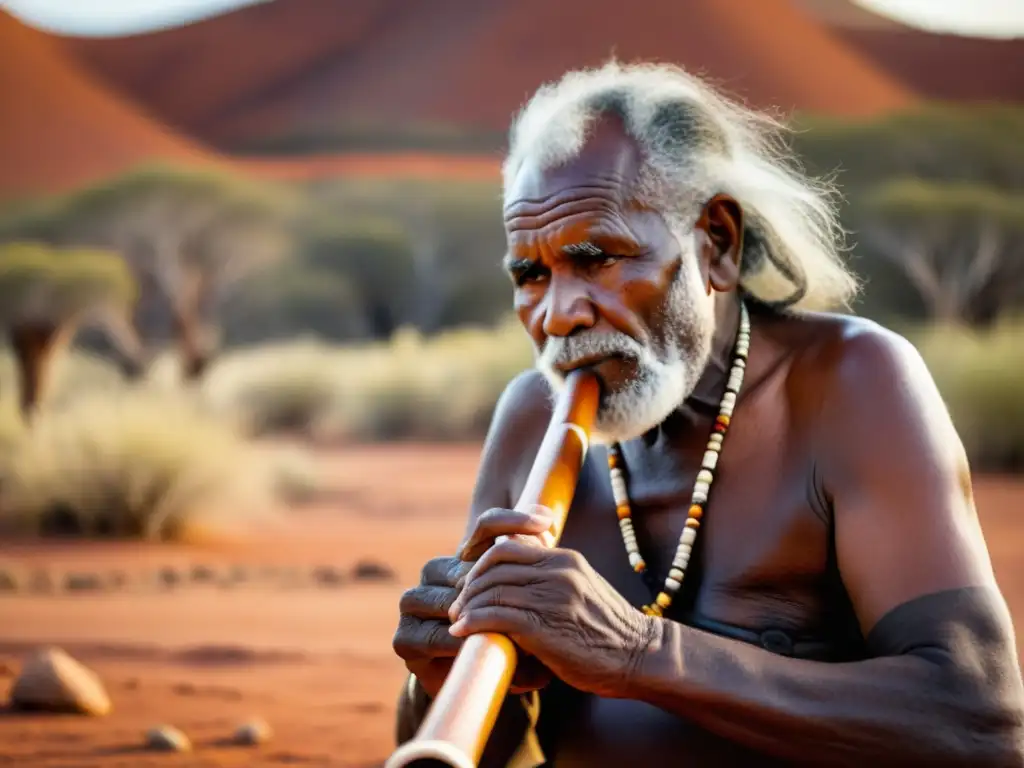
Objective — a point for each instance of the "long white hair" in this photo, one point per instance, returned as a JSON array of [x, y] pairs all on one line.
[[695, 143]]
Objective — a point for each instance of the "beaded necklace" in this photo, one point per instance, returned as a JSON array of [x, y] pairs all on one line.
[[701, 488]]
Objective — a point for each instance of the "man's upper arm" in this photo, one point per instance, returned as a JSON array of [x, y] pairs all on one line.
[[897, 475], [517, 428]]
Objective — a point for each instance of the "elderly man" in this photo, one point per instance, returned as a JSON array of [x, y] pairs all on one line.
[[773, 556]]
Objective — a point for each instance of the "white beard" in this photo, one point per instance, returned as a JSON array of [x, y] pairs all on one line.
[[665, 378]]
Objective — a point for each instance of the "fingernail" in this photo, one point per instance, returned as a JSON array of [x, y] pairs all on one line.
[[542, 518], [456, 628]]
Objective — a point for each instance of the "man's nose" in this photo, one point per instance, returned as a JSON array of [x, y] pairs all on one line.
[[569, 308]]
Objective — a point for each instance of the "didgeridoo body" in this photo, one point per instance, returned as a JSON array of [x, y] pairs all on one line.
[[459, 722]]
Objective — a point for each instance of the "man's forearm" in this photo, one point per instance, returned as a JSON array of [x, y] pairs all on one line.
[[944, 690]]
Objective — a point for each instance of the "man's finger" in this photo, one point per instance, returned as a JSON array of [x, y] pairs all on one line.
[[505, 595], [418, 639], [495, 618], [427, 602], [504, 522], [444, 571], [511, 551], [504, 575]]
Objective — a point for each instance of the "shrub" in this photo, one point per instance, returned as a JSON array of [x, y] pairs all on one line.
[[142, 464], [981, 378], [430, 388]]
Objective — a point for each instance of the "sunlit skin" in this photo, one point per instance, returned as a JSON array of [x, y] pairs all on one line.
[[842, 497]]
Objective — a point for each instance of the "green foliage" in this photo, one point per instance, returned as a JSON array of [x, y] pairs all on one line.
[[953, 205], [40, 282], [937, 142], [357, 136], [981, 377]]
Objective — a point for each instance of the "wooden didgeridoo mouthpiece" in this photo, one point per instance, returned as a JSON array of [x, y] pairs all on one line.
[[459, 722]]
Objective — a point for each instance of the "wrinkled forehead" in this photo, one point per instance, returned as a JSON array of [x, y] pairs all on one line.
[[608, 164]]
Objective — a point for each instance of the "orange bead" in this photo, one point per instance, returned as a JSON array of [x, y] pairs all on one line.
[[623, 511], [640, 566], [723, 420], [696, 511], [663, 600], [693, 522]]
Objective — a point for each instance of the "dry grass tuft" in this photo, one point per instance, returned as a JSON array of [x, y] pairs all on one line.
[[143, 464]]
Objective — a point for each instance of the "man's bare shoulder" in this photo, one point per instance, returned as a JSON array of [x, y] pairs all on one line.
[[873, 393]]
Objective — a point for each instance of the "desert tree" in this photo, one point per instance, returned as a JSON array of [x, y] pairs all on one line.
[[960, 246], [46, 295], [188, 235]]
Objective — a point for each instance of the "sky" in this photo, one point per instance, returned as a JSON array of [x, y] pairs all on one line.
[[994, 18]]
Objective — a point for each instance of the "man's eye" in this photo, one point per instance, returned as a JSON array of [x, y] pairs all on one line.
[[530, 275]]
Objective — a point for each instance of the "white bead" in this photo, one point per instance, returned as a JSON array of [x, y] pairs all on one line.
[[729, 398], [715, 439], [671, 585], [699, 497], [689, 535], [704, 476], [726, 411], [619, 489], [681, 561], [634, 558], [710, 459], [701, 487], [676, 573]]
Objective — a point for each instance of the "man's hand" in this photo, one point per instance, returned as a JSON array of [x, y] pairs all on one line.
[[552, 604], [423, 639]]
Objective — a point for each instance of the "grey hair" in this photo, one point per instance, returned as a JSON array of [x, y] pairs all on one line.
[[695, 143]]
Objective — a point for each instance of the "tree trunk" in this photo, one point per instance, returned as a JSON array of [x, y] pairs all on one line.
[[34, 346], [196, 355]]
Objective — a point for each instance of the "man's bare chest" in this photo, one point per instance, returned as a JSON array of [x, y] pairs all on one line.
[[761, 558]]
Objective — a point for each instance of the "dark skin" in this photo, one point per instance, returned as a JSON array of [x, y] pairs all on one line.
[[840, 456]]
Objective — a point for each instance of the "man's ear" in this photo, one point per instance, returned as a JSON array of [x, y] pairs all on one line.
[[721, 221]]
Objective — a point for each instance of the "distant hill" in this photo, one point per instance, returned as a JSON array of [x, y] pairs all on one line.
[[60, 127], [303, 67], [284, 89]]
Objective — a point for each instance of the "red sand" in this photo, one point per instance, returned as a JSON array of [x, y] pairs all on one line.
[[316, 663]]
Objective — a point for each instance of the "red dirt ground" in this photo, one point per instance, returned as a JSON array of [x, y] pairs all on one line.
[[316, 663]]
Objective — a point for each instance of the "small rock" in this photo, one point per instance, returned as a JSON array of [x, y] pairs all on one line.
[[167, 738], [326, 576], [52, 681], [254, 732], [40, 581], [83, 582], [367, 570], [203, 574], [8, 582], [169, 578]]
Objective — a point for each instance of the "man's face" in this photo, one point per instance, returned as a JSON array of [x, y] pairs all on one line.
[[600, 281]]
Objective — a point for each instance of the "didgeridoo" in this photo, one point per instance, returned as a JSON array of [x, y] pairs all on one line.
[[458, 724]]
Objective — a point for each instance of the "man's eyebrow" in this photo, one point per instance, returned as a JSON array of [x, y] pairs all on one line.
[[585, 248]]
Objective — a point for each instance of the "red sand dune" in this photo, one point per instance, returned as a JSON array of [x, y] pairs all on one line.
[[59, 127], [946, 67], [262, 71], [315, 663]]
